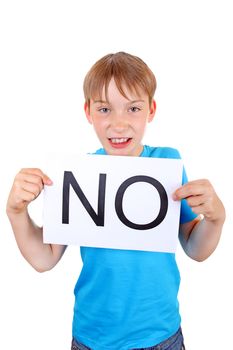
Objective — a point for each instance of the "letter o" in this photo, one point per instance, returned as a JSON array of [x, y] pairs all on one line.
[[163, 202]]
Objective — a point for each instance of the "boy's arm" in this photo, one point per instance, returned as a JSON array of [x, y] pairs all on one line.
[[200, 237], [27, 186]]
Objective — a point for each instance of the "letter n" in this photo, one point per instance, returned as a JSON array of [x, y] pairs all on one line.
[[69, 180]]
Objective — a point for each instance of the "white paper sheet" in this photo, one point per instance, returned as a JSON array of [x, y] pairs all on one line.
[[136, 209]]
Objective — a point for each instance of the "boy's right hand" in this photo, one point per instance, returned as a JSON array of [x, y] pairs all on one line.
[[27, 186]]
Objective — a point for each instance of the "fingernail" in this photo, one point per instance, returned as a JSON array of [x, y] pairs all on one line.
[[49, 182]]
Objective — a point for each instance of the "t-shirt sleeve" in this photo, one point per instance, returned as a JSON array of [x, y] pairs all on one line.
[[186, 213]]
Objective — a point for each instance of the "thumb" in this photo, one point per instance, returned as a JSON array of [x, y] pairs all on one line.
[[46, 180]]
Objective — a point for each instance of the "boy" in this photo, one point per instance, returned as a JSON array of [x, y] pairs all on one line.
[[123, 299]]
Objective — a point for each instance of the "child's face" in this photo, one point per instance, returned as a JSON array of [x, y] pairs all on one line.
[[120, 123]]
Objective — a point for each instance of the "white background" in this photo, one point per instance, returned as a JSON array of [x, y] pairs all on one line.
[[46, 49]]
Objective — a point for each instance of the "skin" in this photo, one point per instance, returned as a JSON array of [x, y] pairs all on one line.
[[27, 186], [120, 124], [120, 118]]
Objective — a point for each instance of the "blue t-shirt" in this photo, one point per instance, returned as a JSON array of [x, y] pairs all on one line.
[[127, 299]]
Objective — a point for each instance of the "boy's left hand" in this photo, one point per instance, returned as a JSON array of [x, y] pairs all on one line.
[[202, 198]]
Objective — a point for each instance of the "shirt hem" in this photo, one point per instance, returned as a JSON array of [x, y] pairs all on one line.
[[136, 344]]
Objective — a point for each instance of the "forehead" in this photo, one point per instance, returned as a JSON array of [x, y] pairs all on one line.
[[123, 91]]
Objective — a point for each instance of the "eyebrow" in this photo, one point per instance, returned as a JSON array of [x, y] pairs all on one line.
[[134, 101]]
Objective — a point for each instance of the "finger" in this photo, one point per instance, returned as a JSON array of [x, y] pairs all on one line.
[[23, 179], [20, 200], [192, 188], [189, 190], [37, 172], [202, 210], [22, 185], [195, 201], [32, 188], [25, 196]]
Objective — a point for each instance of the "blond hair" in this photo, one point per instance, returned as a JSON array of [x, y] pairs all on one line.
[[127, 70]]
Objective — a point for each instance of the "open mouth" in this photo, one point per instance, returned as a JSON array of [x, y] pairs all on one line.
[[119, 142]]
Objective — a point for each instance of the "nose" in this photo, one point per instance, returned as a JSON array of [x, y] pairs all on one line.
[[119, 123]]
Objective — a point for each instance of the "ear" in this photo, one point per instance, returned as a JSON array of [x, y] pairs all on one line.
[[152, 111], [87, 112]]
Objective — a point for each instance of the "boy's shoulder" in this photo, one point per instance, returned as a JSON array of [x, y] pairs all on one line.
[[160, 152]]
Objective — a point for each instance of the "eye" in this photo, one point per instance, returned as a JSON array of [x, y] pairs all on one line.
[[104, 110], [134, 109]]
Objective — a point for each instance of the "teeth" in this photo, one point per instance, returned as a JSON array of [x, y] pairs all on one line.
[[119, 140]]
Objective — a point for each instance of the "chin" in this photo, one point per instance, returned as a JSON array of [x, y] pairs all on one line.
[[117, 152]]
